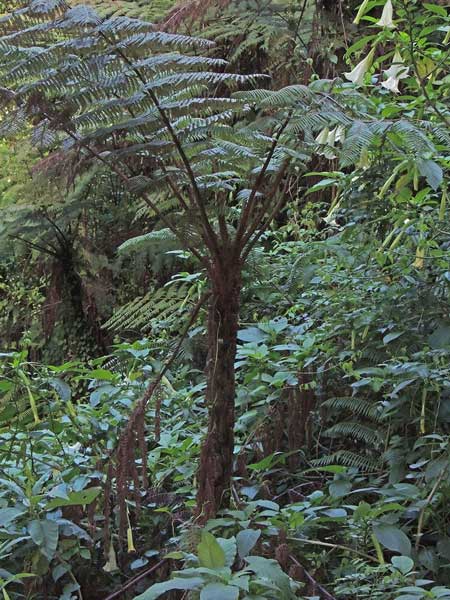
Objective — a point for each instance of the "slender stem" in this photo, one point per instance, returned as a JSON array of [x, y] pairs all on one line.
[[339, 546], [36, 246], [126, 179], [428, 500], [152, 386], [323, 592], [135, 580], [258, 225], [249, 207]]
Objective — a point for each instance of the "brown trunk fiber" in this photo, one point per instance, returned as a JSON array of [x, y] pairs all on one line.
[[216, 457]]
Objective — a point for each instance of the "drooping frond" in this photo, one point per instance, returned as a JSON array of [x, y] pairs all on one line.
[[146, 104], [162, 308], [148, 240], [356, 431], [352, 405], [348, 459]]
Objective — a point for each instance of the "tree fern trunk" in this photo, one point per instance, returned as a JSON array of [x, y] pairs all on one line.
[[216, 458]]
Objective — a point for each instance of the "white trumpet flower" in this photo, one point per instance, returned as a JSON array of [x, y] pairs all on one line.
[[391, 84], [340, 133], [322, 138], [357, 74], [386, 19], [397, 71], [331, 140]]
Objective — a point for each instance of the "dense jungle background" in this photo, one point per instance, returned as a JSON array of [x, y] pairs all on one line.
[[224, 299]]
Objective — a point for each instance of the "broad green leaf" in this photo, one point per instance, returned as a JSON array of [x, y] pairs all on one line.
[[11, 485], [393, 538], [246, 540], [251, 334], [331, 469], [443, 547], [102, 374], [439, 10], [335, 513], [75, 498], [61, 388], [176, 555], [59, 491], [8, 515], [223, 573], [338, 488], [431, 171], [138, 563], [399, 387], [210, 553], [325, 183], [268, 504], [219, 591], [391, 336], [68, 590], [228, 545], [45, 535], [179, 583], [440, 338], [429, 559], [241, 581], [266, 568], [403, 563], [363, 510], [60, 570]]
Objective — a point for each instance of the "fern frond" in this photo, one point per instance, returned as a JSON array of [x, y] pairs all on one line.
[[364, 408], [148, 241], [161, 308], [356, 431], [348, 459]]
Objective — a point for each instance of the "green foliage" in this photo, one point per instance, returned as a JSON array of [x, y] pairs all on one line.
[[158, 309], [210, 572], [394, 581], [342, 401]]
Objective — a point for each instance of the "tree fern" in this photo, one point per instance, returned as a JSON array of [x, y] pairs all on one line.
[[58, 62]]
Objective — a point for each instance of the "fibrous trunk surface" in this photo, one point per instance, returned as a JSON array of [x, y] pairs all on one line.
[[216, 458]]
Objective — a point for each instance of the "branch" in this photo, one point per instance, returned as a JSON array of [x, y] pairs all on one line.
[[247, 211], [428, 501], [135, 580], [64, 242], [176, 191], [210, 237], [36, 246], [258, 225], [155, 382], [152, 386], [124, 177], [316, 585], [173, 186], [339, 546]]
